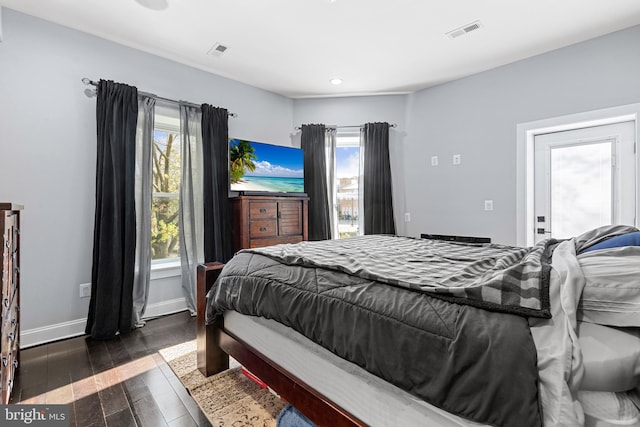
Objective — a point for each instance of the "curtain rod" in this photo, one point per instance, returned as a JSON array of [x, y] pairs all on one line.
[[87, 81], [392, 125]]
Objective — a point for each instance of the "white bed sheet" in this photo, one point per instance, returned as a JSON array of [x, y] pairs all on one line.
[[367, 397]]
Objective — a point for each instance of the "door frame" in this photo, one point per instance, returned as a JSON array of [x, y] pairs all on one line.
[[526, 133]]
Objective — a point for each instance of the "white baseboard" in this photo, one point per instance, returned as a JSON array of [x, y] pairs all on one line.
[[75, 328], [45, 334], [165, 307]]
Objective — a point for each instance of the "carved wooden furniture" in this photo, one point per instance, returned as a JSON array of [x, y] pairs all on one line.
[[10, 262], [267, 220]]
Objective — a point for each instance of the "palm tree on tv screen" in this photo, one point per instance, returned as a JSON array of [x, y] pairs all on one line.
[[241, 157]]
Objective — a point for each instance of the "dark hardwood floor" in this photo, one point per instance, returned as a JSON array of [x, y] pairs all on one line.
[[118, 383]]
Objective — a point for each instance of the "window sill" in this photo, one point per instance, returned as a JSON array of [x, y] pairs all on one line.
[[165, 269]]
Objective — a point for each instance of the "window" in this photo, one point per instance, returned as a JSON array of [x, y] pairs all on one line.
[[348, 200], [165, 179]]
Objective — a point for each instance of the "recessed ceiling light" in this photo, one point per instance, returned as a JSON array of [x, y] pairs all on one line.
[[154, 4], [336, 81]]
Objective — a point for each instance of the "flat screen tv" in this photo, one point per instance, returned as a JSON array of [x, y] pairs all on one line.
[[257, 168]]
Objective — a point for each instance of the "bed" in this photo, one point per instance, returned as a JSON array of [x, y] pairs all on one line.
[[447, 333]]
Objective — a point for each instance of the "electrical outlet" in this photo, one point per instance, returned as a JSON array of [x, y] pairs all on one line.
[[407, 217], [457, 159], [488, 205], [85, 290], [434, 160]]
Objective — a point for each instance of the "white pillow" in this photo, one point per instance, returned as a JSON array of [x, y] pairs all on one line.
[[602, 409], [611, 295], [611, 357]]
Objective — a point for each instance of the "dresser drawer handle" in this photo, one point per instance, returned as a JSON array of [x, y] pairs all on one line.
[[15, 364], [5, 361], [7, 244], [6, 302], [10, 384], [11, 337], [263, 210], [14, 322], [263, 228]]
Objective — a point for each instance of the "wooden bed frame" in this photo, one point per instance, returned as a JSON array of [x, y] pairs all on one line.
[[215, 345]]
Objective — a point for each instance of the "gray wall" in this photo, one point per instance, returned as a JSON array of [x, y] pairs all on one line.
[[350, 111], [47, 148], [477, 118]]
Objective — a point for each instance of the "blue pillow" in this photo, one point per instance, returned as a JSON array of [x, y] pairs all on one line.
[[629, 239]]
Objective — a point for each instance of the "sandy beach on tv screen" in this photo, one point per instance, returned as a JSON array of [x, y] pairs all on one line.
[[243, 185]]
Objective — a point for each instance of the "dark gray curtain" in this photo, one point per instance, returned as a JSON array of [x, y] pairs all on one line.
[[315, 181], [378, 202], [114, 234], [218, 244]]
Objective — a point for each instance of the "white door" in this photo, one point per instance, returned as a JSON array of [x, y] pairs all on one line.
[[584, 178]]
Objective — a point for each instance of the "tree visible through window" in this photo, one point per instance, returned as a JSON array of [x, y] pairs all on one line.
[[165, 202]]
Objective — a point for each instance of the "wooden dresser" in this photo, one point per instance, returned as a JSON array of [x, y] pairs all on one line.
[[266, 220], [10, 340]]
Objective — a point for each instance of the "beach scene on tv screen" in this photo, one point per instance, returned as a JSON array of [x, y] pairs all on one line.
[[260, 167]]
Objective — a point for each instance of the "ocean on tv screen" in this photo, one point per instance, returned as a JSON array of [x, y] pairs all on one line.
[[269, 184]]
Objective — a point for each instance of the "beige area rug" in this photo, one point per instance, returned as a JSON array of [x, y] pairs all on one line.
[[228, 398]]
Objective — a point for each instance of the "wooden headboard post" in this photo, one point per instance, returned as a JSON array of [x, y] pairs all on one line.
[[211, 358]]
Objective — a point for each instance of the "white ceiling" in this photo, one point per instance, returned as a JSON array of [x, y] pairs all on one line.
[[294, 47]]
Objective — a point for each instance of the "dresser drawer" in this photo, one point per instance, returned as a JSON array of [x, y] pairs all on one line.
[[9, 305], [7, 270], [264, 228], [10, 327], [263, 210], [8, 366], [269, 241], [9, 253]]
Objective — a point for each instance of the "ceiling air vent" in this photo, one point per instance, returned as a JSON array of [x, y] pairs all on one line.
[[476, 25], [217, 49]]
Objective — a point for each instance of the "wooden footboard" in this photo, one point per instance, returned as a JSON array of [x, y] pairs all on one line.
[[211, 358], [215, 345]]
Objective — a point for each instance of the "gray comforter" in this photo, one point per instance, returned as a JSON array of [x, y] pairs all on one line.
[[472, 362], [496, 277]]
